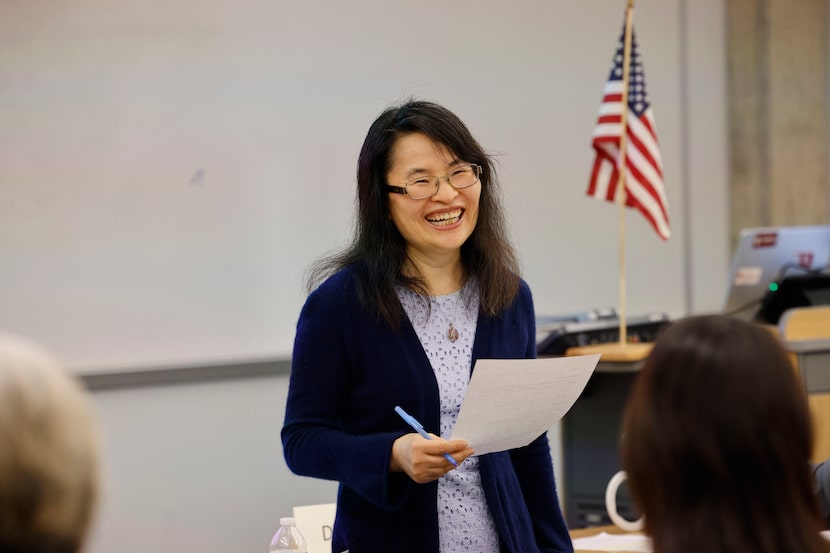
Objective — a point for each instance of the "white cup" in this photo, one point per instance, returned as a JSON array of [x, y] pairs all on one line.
[[611, 505]]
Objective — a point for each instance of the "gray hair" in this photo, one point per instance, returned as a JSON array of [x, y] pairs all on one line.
[[49, 473]]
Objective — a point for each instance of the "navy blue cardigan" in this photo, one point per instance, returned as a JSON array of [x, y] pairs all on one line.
[[349, 370]]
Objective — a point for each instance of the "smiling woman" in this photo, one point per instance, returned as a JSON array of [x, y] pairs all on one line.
[[440, 219], [428, 285]]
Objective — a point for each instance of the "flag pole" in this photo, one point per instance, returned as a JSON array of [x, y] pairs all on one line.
[[602, 182], [622, 194]]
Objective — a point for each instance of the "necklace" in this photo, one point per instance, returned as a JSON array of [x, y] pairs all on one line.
[[452, 333]]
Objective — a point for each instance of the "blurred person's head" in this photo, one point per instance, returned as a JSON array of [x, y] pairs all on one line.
[[48, 453], [717, 440]]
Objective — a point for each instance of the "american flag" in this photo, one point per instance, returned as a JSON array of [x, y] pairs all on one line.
[[644, 175]]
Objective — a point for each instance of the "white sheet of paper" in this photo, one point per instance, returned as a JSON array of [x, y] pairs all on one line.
[[511, 402]]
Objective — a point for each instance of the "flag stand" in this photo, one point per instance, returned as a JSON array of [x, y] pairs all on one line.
[[622, 350]]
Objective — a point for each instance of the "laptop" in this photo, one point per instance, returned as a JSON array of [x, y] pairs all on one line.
[[768, 255]]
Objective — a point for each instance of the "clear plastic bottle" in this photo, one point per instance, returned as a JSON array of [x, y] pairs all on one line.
[[288, 539]]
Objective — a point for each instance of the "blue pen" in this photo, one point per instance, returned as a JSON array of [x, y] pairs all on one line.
[[413, 422]]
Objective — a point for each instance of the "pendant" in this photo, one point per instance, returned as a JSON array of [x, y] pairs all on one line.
[[452, 333]]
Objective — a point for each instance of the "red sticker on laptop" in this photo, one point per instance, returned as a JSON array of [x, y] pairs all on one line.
[[805, 259], [765, 240]]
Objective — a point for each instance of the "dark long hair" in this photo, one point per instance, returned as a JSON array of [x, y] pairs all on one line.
[[717, 440], [378, 249]]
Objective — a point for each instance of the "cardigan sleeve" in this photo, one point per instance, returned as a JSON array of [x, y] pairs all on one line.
[[314, 440]]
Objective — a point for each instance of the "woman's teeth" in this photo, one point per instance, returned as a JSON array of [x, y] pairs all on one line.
[[445, 219]]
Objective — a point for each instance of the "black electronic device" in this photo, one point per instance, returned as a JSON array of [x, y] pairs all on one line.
[[793, 291], [585, 333]]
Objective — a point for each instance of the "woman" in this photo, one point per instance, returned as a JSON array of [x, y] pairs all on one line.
[[428, 285], [716, 443]]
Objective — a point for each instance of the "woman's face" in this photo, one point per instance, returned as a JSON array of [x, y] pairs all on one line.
[[437, 226]]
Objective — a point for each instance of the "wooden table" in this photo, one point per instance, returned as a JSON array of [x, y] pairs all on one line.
[[587, 532]]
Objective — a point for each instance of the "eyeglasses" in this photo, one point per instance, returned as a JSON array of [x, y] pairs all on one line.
[[426, 186]]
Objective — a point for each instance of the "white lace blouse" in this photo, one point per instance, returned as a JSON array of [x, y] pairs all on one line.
[[446, 328]]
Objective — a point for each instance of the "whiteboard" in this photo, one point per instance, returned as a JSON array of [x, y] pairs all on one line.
[[170, 170]]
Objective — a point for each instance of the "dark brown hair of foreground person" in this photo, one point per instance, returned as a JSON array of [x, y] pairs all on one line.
[[716, 443], [48, 453]]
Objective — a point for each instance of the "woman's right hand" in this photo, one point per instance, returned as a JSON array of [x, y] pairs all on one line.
[[423, 460]]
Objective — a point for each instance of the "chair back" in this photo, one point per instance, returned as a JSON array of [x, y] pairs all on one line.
[[806, 324]]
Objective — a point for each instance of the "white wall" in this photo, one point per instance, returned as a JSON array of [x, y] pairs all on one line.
[[197, 467], [170, 169], [169, 172]]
